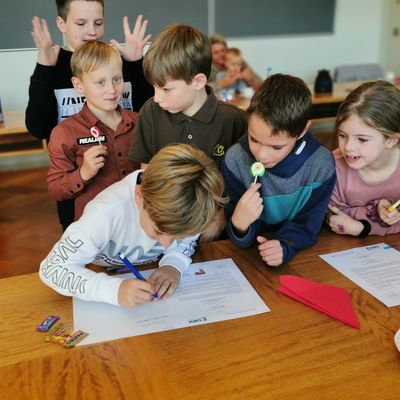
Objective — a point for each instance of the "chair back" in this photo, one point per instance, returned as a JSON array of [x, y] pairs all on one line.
[[358, 72]]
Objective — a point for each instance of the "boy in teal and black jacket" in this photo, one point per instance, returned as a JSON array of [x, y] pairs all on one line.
[[291, 198]]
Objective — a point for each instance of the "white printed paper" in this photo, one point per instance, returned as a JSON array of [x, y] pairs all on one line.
[[375, 268], [208, 292]]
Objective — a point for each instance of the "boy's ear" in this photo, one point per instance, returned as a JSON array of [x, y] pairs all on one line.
[[60, 24], [307, 127], [76, 83], [199, 80], [138, 195]]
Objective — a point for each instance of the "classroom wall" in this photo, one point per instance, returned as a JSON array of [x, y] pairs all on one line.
[[357, 39]]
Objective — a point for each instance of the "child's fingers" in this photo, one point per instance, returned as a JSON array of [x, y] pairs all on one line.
[[116, 44], [251, 195], [269, 244], [334, 209], [261, 239], [252, 189], [273, 262], [166, 289], [97, 150], [125, 25]]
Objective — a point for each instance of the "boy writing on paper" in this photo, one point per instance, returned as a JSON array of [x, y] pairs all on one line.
[[89, 150], [158, 211], [51, 94], [291, 198], [184, 109]]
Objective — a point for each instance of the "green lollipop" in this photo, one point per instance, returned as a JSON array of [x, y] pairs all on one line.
[[257, 169]]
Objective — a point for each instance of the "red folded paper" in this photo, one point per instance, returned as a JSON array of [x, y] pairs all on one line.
[[328, 299]]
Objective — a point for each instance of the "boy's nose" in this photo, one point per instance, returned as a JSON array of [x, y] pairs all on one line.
[[92, 30], [262, 155], [157, 95], [110, 87]]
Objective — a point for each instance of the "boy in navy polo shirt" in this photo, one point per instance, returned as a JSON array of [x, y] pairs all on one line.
[[184, 109]]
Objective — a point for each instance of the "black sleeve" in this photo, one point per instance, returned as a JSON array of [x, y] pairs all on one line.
[[41, 113], [141, 89]]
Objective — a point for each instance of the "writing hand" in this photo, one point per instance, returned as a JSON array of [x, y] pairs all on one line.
[[134, 41], [248, 208], [271, 251], [134, 292], [47, 51]]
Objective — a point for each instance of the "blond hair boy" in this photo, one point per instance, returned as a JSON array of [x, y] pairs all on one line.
[[89, 150], [157, 212], [51, 95]]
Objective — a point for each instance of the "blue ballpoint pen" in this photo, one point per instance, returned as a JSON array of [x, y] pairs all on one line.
[[133, 270]]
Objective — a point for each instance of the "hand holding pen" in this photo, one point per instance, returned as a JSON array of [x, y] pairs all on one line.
[[165, 279], [133, 269]]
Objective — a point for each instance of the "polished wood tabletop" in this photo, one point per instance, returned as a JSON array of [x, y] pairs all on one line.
[[293, 352], [14, 122], [339, 93]]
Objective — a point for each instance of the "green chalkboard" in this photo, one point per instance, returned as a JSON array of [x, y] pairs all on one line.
[[232, 18]]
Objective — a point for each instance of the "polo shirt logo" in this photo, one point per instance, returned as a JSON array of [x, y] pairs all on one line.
[[91, 140], [219, 150]]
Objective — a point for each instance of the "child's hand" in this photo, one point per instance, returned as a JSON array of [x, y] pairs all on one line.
[[247, 76], [93, 159], [385, 215], [47, 52], [134, 41], [134, 292], [228, 80], [270, 251], [165, 281], [248, 209], [343, 224]]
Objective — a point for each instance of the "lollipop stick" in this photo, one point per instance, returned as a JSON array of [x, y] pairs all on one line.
[[95, 133], [255, 180]]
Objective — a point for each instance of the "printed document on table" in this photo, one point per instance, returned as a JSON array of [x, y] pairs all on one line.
[[375, 268], [208, 292]]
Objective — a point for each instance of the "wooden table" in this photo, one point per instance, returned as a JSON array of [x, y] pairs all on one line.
[[293, 352], [14, 137], [324, 105]]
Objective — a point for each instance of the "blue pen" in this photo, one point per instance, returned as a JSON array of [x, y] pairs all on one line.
[[133, 270]]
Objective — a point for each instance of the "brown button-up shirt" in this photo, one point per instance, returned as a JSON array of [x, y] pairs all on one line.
[[68, 143]]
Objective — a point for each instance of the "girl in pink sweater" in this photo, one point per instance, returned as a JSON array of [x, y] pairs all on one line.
[[368, 168]]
